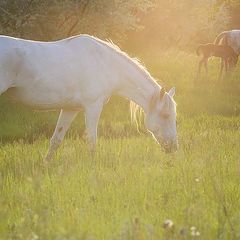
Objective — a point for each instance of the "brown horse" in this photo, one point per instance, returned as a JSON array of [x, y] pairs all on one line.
[[230, 38], [225, 52]]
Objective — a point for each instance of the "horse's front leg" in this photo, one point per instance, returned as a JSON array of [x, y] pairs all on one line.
[[64, 121], [226, 65], [200, 66], [206, 66], [92, 115], [221, 69]]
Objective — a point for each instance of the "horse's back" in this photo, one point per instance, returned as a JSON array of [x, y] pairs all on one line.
[[65, 71], [55, 59], [8, 43]]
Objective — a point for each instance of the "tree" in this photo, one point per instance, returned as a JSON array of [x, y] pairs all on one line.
[[48, 20], [183, 24]]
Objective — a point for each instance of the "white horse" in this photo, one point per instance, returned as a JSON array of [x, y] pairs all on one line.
[[82, 73], [230, 38]]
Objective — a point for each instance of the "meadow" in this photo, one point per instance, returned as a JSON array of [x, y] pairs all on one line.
[[130, 187]]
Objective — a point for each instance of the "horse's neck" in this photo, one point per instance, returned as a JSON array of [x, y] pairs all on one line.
[[138, 88]]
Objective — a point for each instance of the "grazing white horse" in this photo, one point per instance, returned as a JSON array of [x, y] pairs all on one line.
[[230, 38], [81, 73]]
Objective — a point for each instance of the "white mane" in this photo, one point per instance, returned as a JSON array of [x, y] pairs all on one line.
[[135, 110], [134, 61]]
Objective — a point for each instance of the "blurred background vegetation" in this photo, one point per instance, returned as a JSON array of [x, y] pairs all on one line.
[[161, 22]]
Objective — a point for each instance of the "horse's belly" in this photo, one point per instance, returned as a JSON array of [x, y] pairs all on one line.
[[44, 100]]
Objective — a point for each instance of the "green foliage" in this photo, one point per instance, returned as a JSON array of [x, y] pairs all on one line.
[[168, 22], [183, 24], [48, 20]]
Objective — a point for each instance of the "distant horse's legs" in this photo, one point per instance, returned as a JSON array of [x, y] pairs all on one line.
[[204, 61], [206, 66], [92, 115], [226, 65], [221, 68], [64, 121], [231, 63], [200, 66]]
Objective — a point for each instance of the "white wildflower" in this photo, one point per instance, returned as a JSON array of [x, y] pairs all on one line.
[[168, 224]]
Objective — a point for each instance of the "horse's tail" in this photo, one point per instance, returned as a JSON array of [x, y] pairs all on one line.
[[199, 49], [220, 37]]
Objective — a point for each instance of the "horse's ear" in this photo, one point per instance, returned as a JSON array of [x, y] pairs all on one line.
[[162, 92], [171, 92]]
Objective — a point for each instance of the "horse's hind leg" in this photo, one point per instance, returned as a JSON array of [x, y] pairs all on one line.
[[64, 121]]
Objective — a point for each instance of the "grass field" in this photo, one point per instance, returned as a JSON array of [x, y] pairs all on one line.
[[130, 187]]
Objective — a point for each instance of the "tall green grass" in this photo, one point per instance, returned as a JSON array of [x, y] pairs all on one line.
[[130, 187]]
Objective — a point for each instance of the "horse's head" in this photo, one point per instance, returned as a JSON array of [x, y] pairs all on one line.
[[160, 120]]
